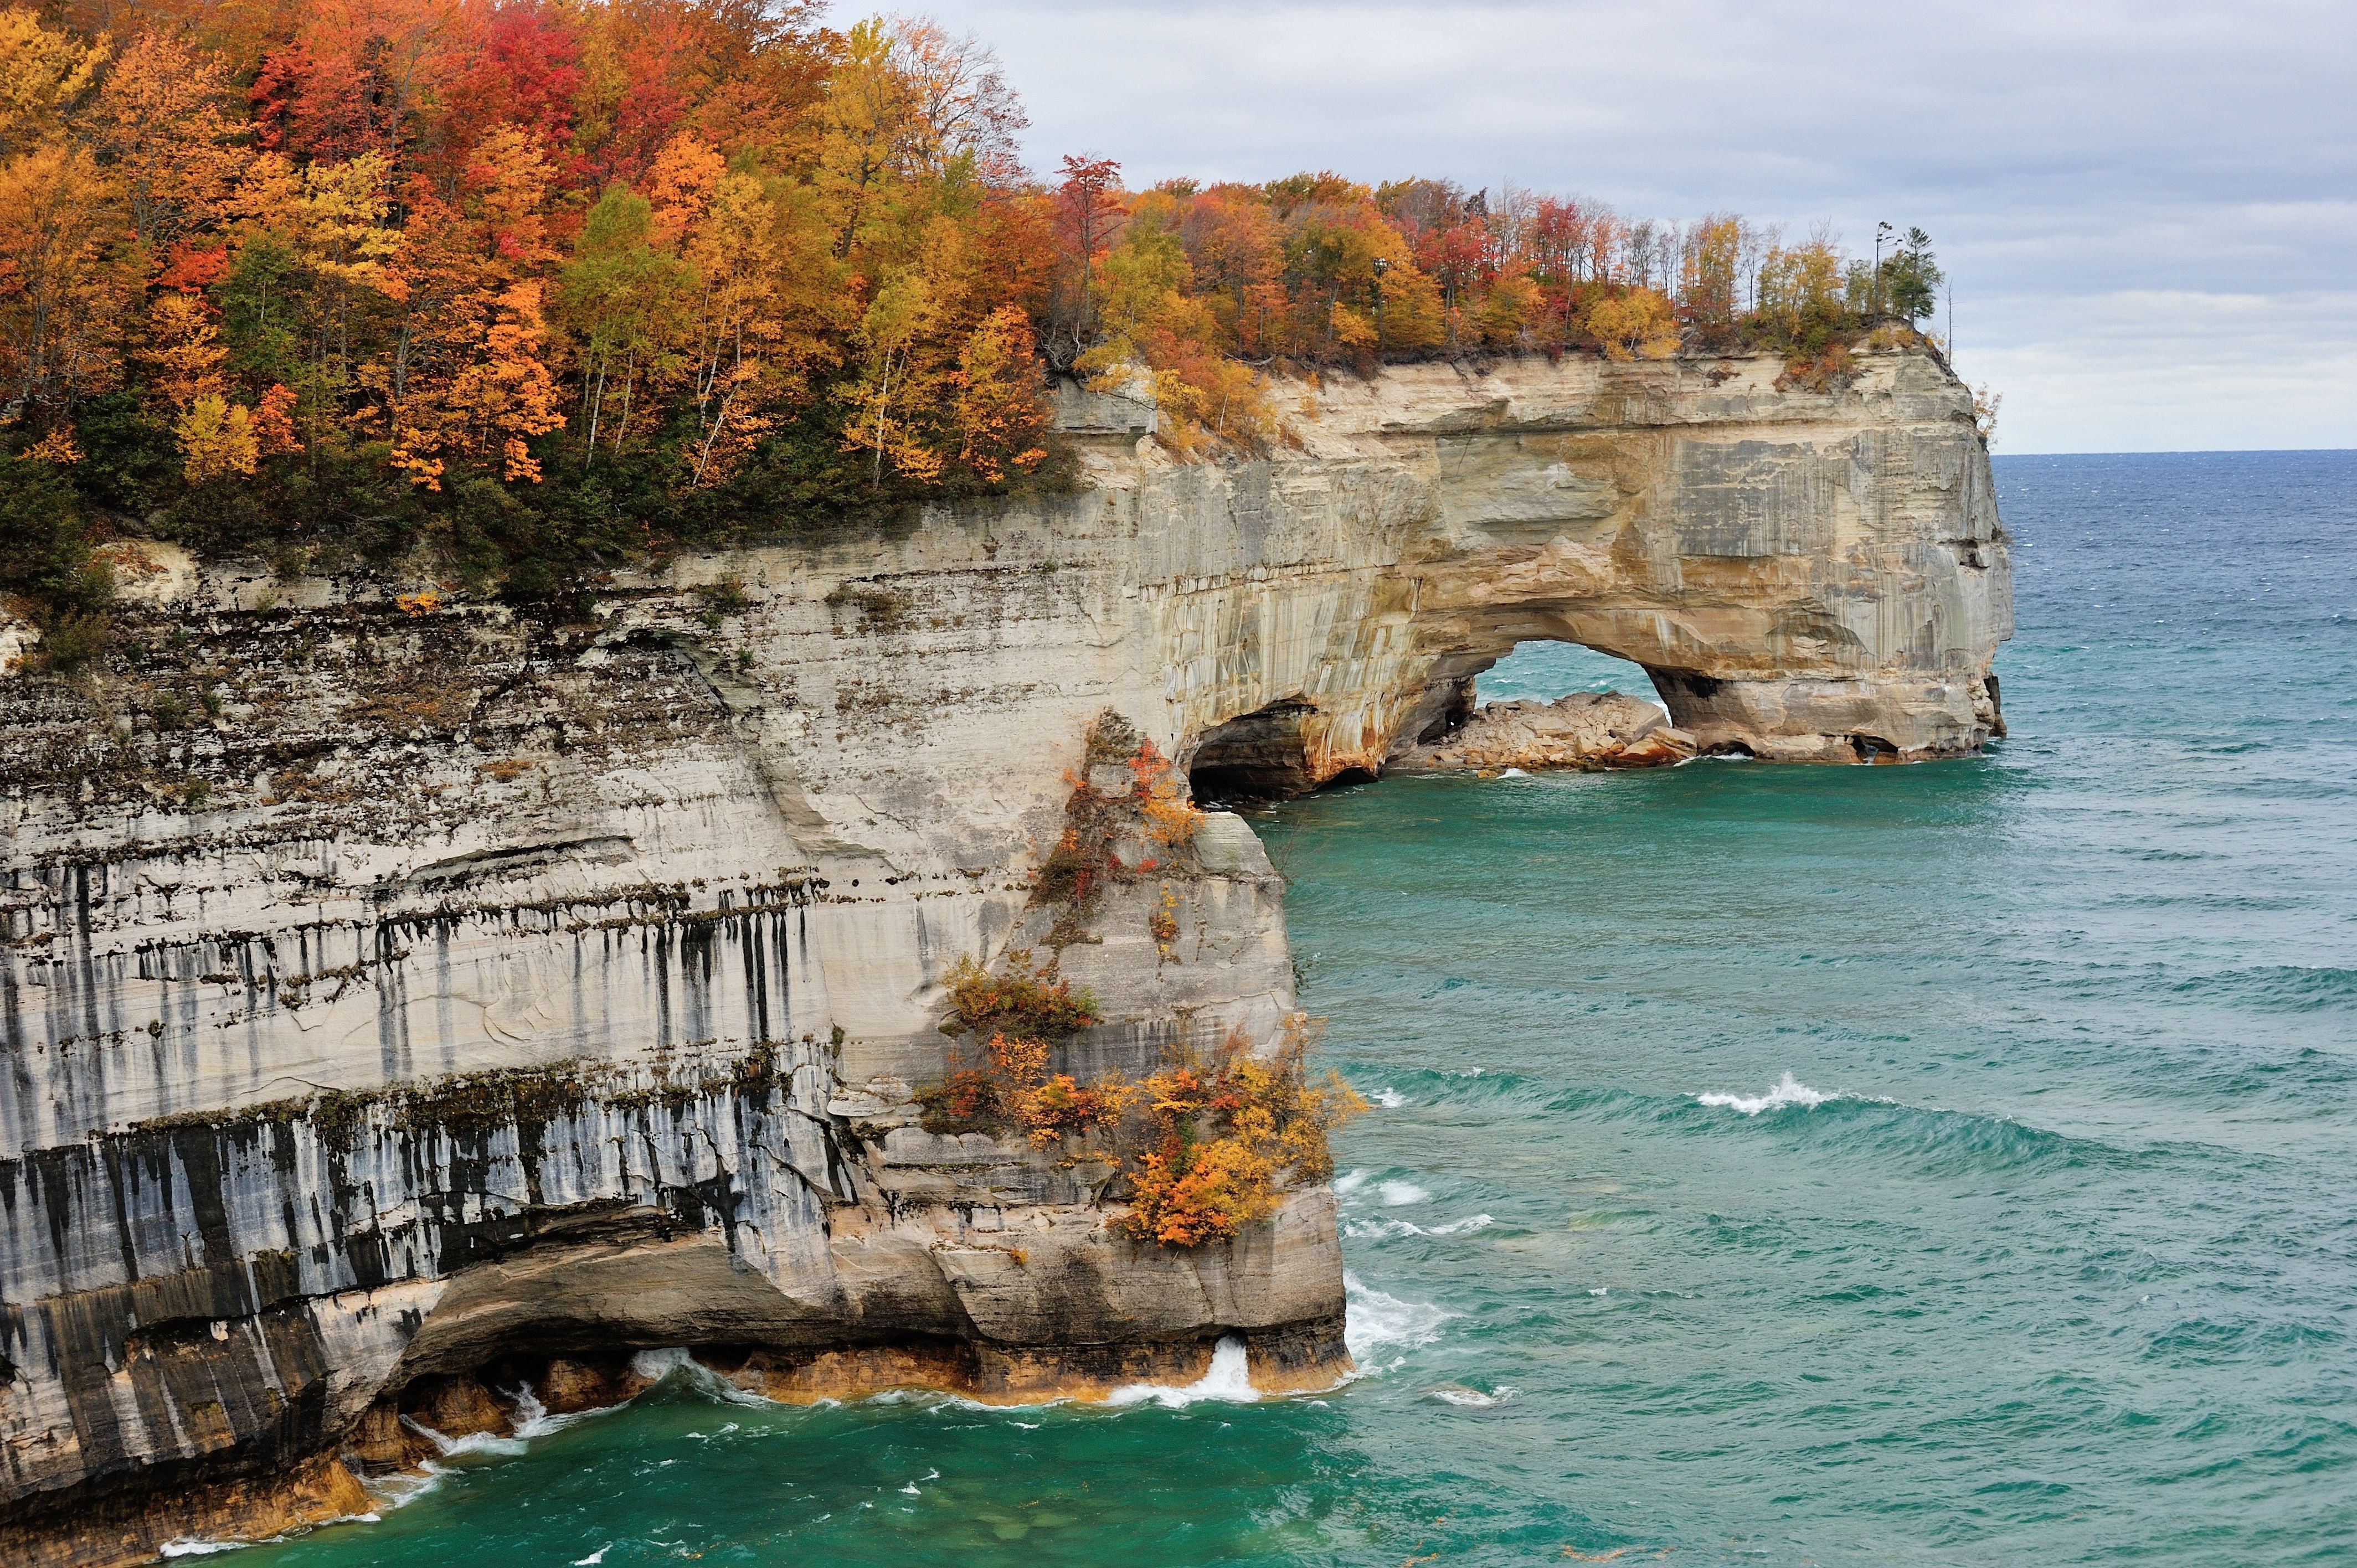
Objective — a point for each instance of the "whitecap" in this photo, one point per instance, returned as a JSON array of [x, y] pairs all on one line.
[[1400, 1194], [1514, 773], [1229, 1378], [656, 1365], [187, 1546], [593, 1558], [1351, 1181], [533, 1419], [399, 1488], [460, 1447], [1374, 1320], [675, 1362], [1389, 1099], [1789, 1090], [1469, 1399], [1376, 1229]]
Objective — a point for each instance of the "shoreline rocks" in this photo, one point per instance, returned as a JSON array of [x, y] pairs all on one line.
[[1584, 730]]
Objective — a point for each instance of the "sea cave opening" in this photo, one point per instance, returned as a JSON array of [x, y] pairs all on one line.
[[1264, 755], [1547, 670]]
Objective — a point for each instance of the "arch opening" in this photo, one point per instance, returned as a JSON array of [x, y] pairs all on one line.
[[1544, 670]]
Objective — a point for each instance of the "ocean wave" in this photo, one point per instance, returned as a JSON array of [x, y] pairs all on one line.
[[1930, 1140], [1381, 1229], [1465, 1397], [1400, 1194], [1789, 1091], [467, 1445], [1376, 1321], [2281, 987], [1229, 1379], [1389, 1099], [676, 1361]]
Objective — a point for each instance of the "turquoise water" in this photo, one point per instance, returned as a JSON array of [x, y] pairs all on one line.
[[1953, 1163]]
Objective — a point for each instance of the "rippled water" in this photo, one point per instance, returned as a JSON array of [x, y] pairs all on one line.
[[1953, 1163]]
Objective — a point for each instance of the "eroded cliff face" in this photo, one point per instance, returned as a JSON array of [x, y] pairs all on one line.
[[408, 991]]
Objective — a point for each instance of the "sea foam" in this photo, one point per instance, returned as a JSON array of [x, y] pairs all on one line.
[[1365, 1230], [1377, 1321], [1789, 1090], [1229, 1378]]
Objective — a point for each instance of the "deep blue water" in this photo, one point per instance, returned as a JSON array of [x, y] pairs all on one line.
[[1942, 1164]]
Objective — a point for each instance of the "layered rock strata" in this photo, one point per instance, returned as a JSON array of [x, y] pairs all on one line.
[[401, 989]]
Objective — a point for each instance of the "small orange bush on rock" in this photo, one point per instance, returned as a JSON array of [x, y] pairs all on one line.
[[1229, 1141], [1025, 1003]]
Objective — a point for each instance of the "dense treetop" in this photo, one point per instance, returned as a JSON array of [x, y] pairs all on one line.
[[544, 286]]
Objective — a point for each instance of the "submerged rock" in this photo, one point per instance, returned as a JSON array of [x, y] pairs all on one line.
[[1586, 729]]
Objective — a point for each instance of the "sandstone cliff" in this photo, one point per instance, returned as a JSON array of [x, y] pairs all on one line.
[[401, 993]]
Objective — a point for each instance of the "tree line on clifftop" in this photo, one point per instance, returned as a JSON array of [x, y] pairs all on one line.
[[541, 287]]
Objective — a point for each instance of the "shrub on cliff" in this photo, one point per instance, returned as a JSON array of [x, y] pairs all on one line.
[[1226, 1142], [1025, 1003], [1202, 1152], [1149, 815]]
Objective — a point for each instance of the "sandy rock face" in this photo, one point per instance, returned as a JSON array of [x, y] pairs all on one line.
[[1586, 729], [397, 989]]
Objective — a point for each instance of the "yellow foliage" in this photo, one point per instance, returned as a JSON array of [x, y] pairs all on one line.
[[1638, 322], [1000, 410], [216, 438], [57, 446], [184, 354], [43, 72], [65, 278]]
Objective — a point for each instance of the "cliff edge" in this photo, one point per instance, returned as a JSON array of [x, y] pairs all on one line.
[[406, 998]]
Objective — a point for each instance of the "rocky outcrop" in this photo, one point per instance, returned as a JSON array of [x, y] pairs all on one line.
[[407, 994], [1586, 729]]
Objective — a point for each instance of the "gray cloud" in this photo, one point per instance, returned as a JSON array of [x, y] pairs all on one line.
[[2149, 210]]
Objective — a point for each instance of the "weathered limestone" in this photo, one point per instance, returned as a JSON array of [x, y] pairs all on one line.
[[396, 989], [1586, 729]]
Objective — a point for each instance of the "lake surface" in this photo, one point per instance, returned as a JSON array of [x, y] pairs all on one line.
[[1947, 1163]]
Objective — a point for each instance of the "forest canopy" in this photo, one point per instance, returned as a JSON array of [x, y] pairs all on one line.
[[548, 286]]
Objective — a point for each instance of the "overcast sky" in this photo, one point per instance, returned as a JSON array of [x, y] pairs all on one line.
[[2148, 211]]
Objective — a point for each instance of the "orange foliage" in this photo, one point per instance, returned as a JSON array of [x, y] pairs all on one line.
[[476, 237], [1230, 1141]]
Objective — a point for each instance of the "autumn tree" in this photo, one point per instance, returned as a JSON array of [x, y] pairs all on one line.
[[1088, 214], [1639, 322], [622, 301], [162, 127], [64, 285], [1002, 417], [470, 382], [46, 76]]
